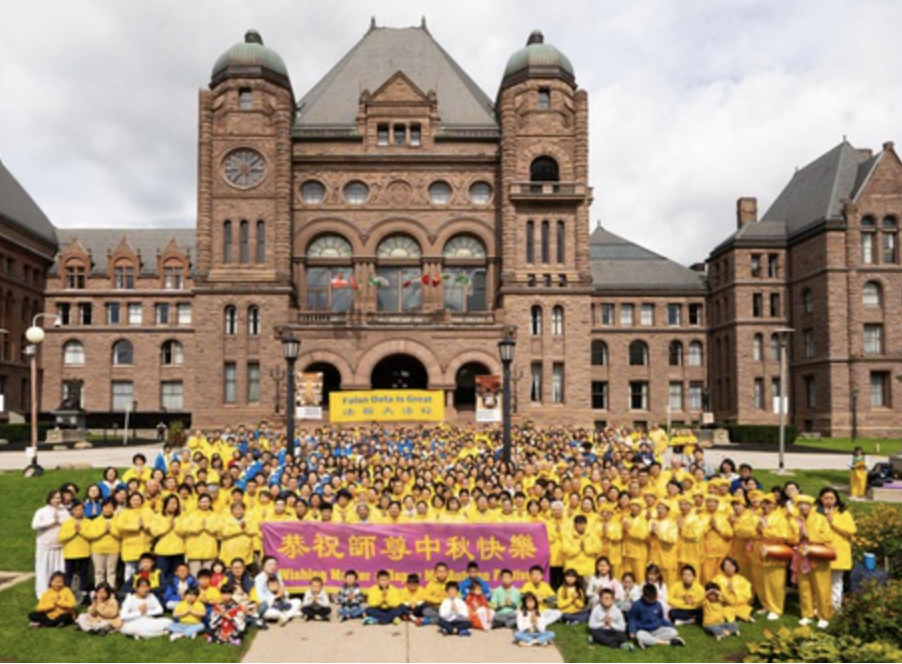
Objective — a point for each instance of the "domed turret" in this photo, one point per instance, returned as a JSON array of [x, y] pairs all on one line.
[[538, 59], [250, 59]]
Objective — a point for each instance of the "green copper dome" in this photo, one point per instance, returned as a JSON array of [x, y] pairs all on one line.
[[539, 59], [249, 59]]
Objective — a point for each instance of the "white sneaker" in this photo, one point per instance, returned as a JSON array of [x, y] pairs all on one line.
[[804, 621], [822, 624], [772, 616]]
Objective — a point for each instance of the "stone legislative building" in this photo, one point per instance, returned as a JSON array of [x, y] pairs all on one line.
[[398, 220]]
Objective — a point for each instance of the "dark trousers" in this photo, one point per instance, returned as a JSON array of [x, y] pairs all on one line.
[[608, 637], [315, 611], [454, 625], [384, 616], [167, 565], [78, 567], [686, 614], [576, 618], [557, 577], [44, 621]]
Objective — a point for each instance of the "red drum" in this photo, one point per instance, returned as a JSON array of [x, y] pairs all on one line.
[[779, 552], [819, 552]]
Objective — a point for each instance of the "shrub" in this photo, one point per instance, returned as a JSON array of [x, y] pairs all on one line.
[[880, 533], [805, 645], [872, 614], [764, 434], [177, 436], [21, 433]]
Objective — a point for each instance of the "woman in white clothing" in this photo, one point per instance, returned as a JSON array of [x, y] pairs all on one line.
[[141, 613], [48, 549]]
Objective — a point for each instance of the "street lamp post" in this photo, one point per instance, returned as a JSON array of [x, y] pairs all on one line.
[[854, 395], [784, 333], [35, 335], [506, 352], [291, 348]]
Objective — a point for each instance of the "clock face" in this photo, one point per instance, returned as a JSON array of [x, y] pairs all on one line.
[[244, 168]]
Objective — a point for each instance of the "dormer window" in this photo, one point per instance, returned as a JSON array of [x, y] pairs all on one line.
[[382, 135], [415, 135], [544, 101], [245, 99], [75, 276], [173, 276], [124, 276], [400, 134]]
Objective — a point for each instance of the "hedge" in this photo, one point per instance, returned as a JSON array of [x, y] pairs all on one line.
[[769, 434], [21, 433]]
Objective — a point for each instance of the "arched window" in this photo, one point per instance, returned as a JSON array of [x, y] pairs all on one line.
[[561, 247], [123, 353], [557, 321], [546, 241], [245, 240], [544, 169], [530, 242], [227, 242], [74, 354], [638, 354], [261, 242], [231, 320], [599, 353], [535, 321], [399, 285], [757, 348], [172, 353], [253, 320], [329, 274], [676, 354], [465, 274], [696, 354], [871, 295]]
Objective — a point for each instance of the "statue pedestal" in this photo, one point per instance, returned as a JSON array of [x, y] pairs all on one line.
[[70, 427]]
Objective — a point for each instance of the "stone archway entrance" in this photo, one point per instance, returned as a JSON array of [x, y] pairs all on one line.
[[399, 372], [465, 385], [331, 379]]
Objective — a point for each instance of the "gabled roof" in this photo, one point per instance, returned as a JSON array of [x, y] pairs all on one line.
[[144, 241], [618, 264], [17, 207], [756, 233], [333, 102], [816, 192]]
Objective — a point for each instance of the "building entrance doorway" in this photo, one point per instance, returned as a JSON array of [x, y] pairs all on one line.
[[465, 385], [399, 372]]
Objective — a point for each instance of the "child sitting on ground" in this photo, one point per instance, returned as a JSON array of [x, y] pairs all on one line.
[[188, 617], [413, 600], [571, 599], [453, 614], [102, 617], [543, 594], [57, 605], [719, 619], [531, 626], [686, 599], [481, 614], [631, 593], [647, 623], [351, 602], [316, 602], [607, 626], [227, 621], [383, 602]]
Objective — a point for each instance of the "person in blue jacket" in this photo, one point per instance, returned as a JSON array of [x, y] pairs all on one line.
[[646, 622], [473, 579], [174, 590]]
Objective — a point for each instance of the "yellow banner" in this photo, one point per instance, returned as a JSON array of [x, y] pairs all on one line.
[[387, 406]]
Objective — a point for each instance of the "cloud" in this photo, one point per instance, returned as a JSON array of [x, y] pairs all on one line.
[[693, 103]]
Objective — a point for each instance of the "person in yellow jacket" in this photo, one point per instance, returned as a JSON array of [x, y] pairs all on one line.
[[200, 529], [858, 474], [844, 528], [809, 528], [691, 532], [611, 532], [383, 602], [581, 548], [237, 535], [133, 528], [744, 523], [769, 572], [664, 534], [105, 545], [736, 589], [635, 541], [139, 471], [557, 529], [76, 550], [685, 598], [719, 620], [169, 546], [571, 599], [56, 608], [716, 538]]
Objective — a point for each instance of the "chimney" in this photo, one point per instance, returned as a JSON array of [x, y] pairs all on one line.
[[746, 211]]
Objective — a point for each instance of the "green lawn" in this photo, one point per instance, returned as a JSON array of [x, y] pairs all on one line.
[[878, 446]]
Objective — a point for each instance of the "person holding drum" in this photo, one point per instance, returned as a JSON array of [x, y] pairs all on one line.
[[812, 536], [843, 526], [770, 558]]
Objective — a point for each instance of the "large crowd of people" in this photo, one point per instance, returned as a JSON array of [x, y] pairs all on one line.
[[644, 535]]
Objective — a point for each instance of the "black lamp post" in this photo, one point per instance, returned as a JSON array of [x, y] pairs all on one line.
[[854, 413], [291, 347], [506, 352]]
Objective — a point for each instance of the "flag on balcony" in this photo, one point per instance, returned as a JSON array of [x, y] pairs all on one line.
[[339, 282], [353, 284], [378, 282]]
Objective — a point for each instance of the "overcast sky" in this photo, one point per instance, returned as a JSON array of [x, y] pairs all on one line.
[[693, 102]]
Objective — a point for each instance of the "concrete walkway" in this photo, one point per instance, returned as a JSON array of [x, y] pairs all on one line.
[[101, 457], [352, 642]]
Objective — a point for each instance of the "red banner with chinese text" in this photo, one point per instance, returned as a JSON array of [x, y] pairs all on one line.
[[307, 549]]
